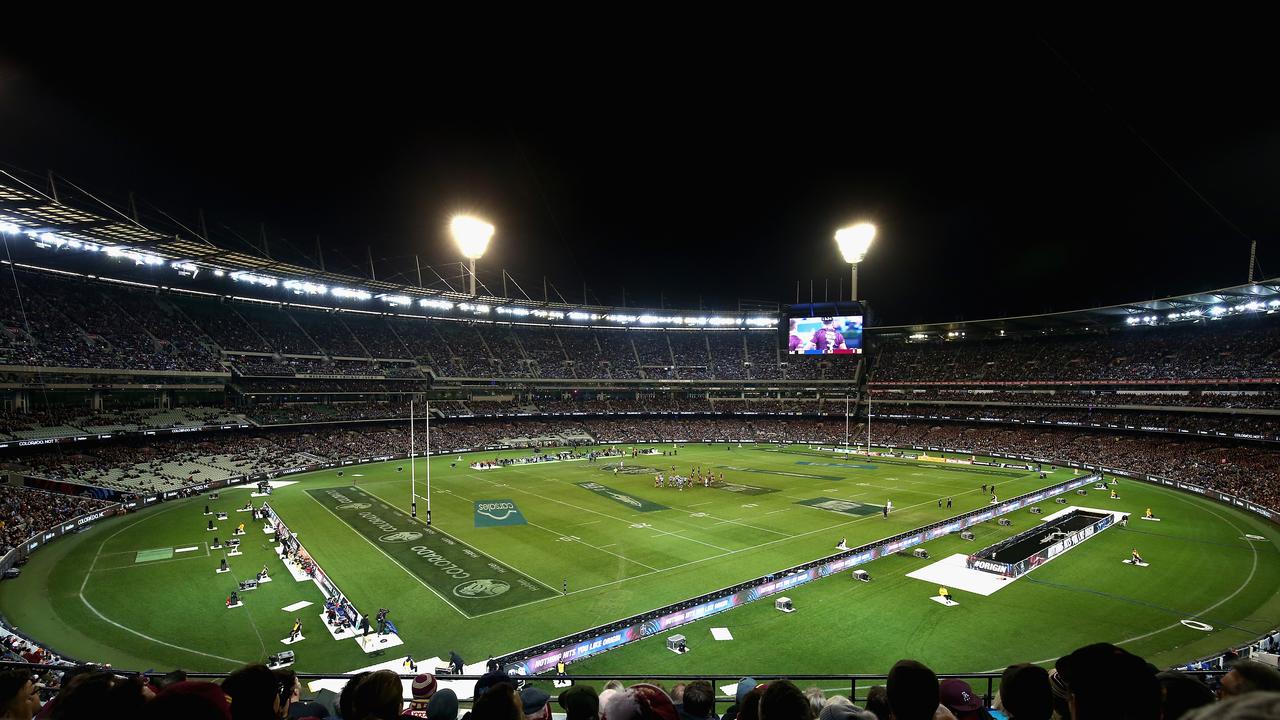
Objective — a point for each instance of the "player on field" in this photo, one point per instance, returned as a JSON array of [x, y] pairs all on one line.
[[1135, 557], [296, 630]]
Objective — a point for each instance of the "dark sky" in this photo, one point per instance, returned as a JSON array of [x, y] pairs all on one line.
[[1009, 174]]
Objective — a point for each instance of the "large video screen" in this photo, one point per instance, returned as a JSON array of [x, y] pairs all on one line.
[[827, 335]]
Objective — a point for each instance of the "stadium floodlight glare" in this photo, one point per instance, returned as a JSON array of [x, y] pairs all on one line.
[[854, 241], [395, 300], [9, 228], [436, 304], [352, 294], [472, 235], [301, 287]]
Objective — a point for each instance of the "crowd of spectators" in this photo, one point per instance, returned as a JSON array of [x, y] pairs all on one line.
[[1263, 427], [1229, 399], [1094, 682], [25, 512], [1239, 468], [1227, 349]]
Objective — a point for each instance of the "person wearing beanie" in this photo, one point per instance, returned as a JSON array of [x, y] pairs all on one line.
[[423, 688], [641, 701], [443, 706], [580, 702], [535, 702], [745, 685]]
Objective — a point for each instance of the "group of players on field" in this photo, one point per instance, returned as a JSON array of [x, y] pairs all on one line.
[[695, 478]]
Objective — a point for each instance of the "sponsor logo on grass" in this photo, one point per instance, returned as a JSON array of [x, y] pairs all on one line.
[[784, 473], [481, 589], [493, 513], [400, 536], [743, 489], [635, 503], [841, 506], [469, 580], [630, 469]]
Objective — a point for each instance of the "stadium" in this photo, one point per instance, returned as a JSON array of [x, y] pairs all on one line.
[[217, 459]]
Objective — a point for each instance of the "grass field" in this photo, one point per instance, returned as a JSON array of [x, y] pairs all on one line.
[[620, 546]]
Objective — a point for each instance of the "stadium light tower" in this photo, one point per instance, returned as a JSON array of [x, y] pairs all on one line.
[[854, 241], [472, 235]]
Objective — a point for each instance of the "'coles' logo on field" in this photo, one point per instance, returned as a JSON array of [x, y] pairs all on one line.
[[355, 506], [402, 536], [485, 588]]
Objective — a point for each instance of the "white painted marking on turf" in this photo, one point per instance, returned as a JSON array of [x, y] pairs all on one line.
[[589, 522], [1252, 571], [296, 606], [421, 582], [721, 634], [126, 628], [186, 549]]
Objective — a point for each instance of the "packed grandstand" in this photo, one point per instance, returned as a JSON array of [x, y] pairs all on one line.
[[126, 379]]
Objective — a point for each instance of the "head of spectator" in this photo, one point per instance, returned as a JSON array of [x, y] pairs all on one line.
[[102, 693], [19, 697], [839, 707], [912, 690], [256, 693], [535, 702], [290, 687], [1256, 705], [1248, 676], [190, 700], [817, 699], [347, 698], [1182, 693], [443, 705], [1105, 681], [1025, 693], [641, 701], [487, 681], [379, 696], [423, 687], [782, 700], [878, 702], [677, 693], [958, 697], [170, 678], [499, 702], [749, 708], [699, 701]]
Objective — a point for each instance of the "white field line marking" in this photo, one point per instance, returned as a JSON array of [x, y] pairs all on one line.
[[1201, 613], [577, 540], [126, 628], [421, 582]]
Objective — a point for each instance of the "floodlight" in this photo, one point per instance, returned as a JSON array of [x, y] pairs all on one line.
[[854, 241], [472, 235], [9, 228]]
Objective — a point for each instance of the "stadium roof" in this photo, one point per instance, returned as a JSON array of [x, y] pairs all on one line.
[[1262, 296], [77, 221]]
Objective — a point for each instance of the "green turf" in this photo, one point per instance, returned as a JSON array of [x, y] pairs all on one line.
[[600, 535]]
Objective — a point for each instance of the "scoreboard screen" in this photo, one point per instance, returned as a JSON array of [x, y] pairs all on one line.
[[824, 335]]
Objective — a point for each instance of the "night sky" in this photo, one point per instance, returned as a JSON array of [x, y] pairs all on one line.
[[1008, 175]]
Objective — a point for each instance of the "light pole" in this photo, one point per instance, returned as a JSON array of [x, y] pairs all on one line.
[[854, 241], [472, 235]]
